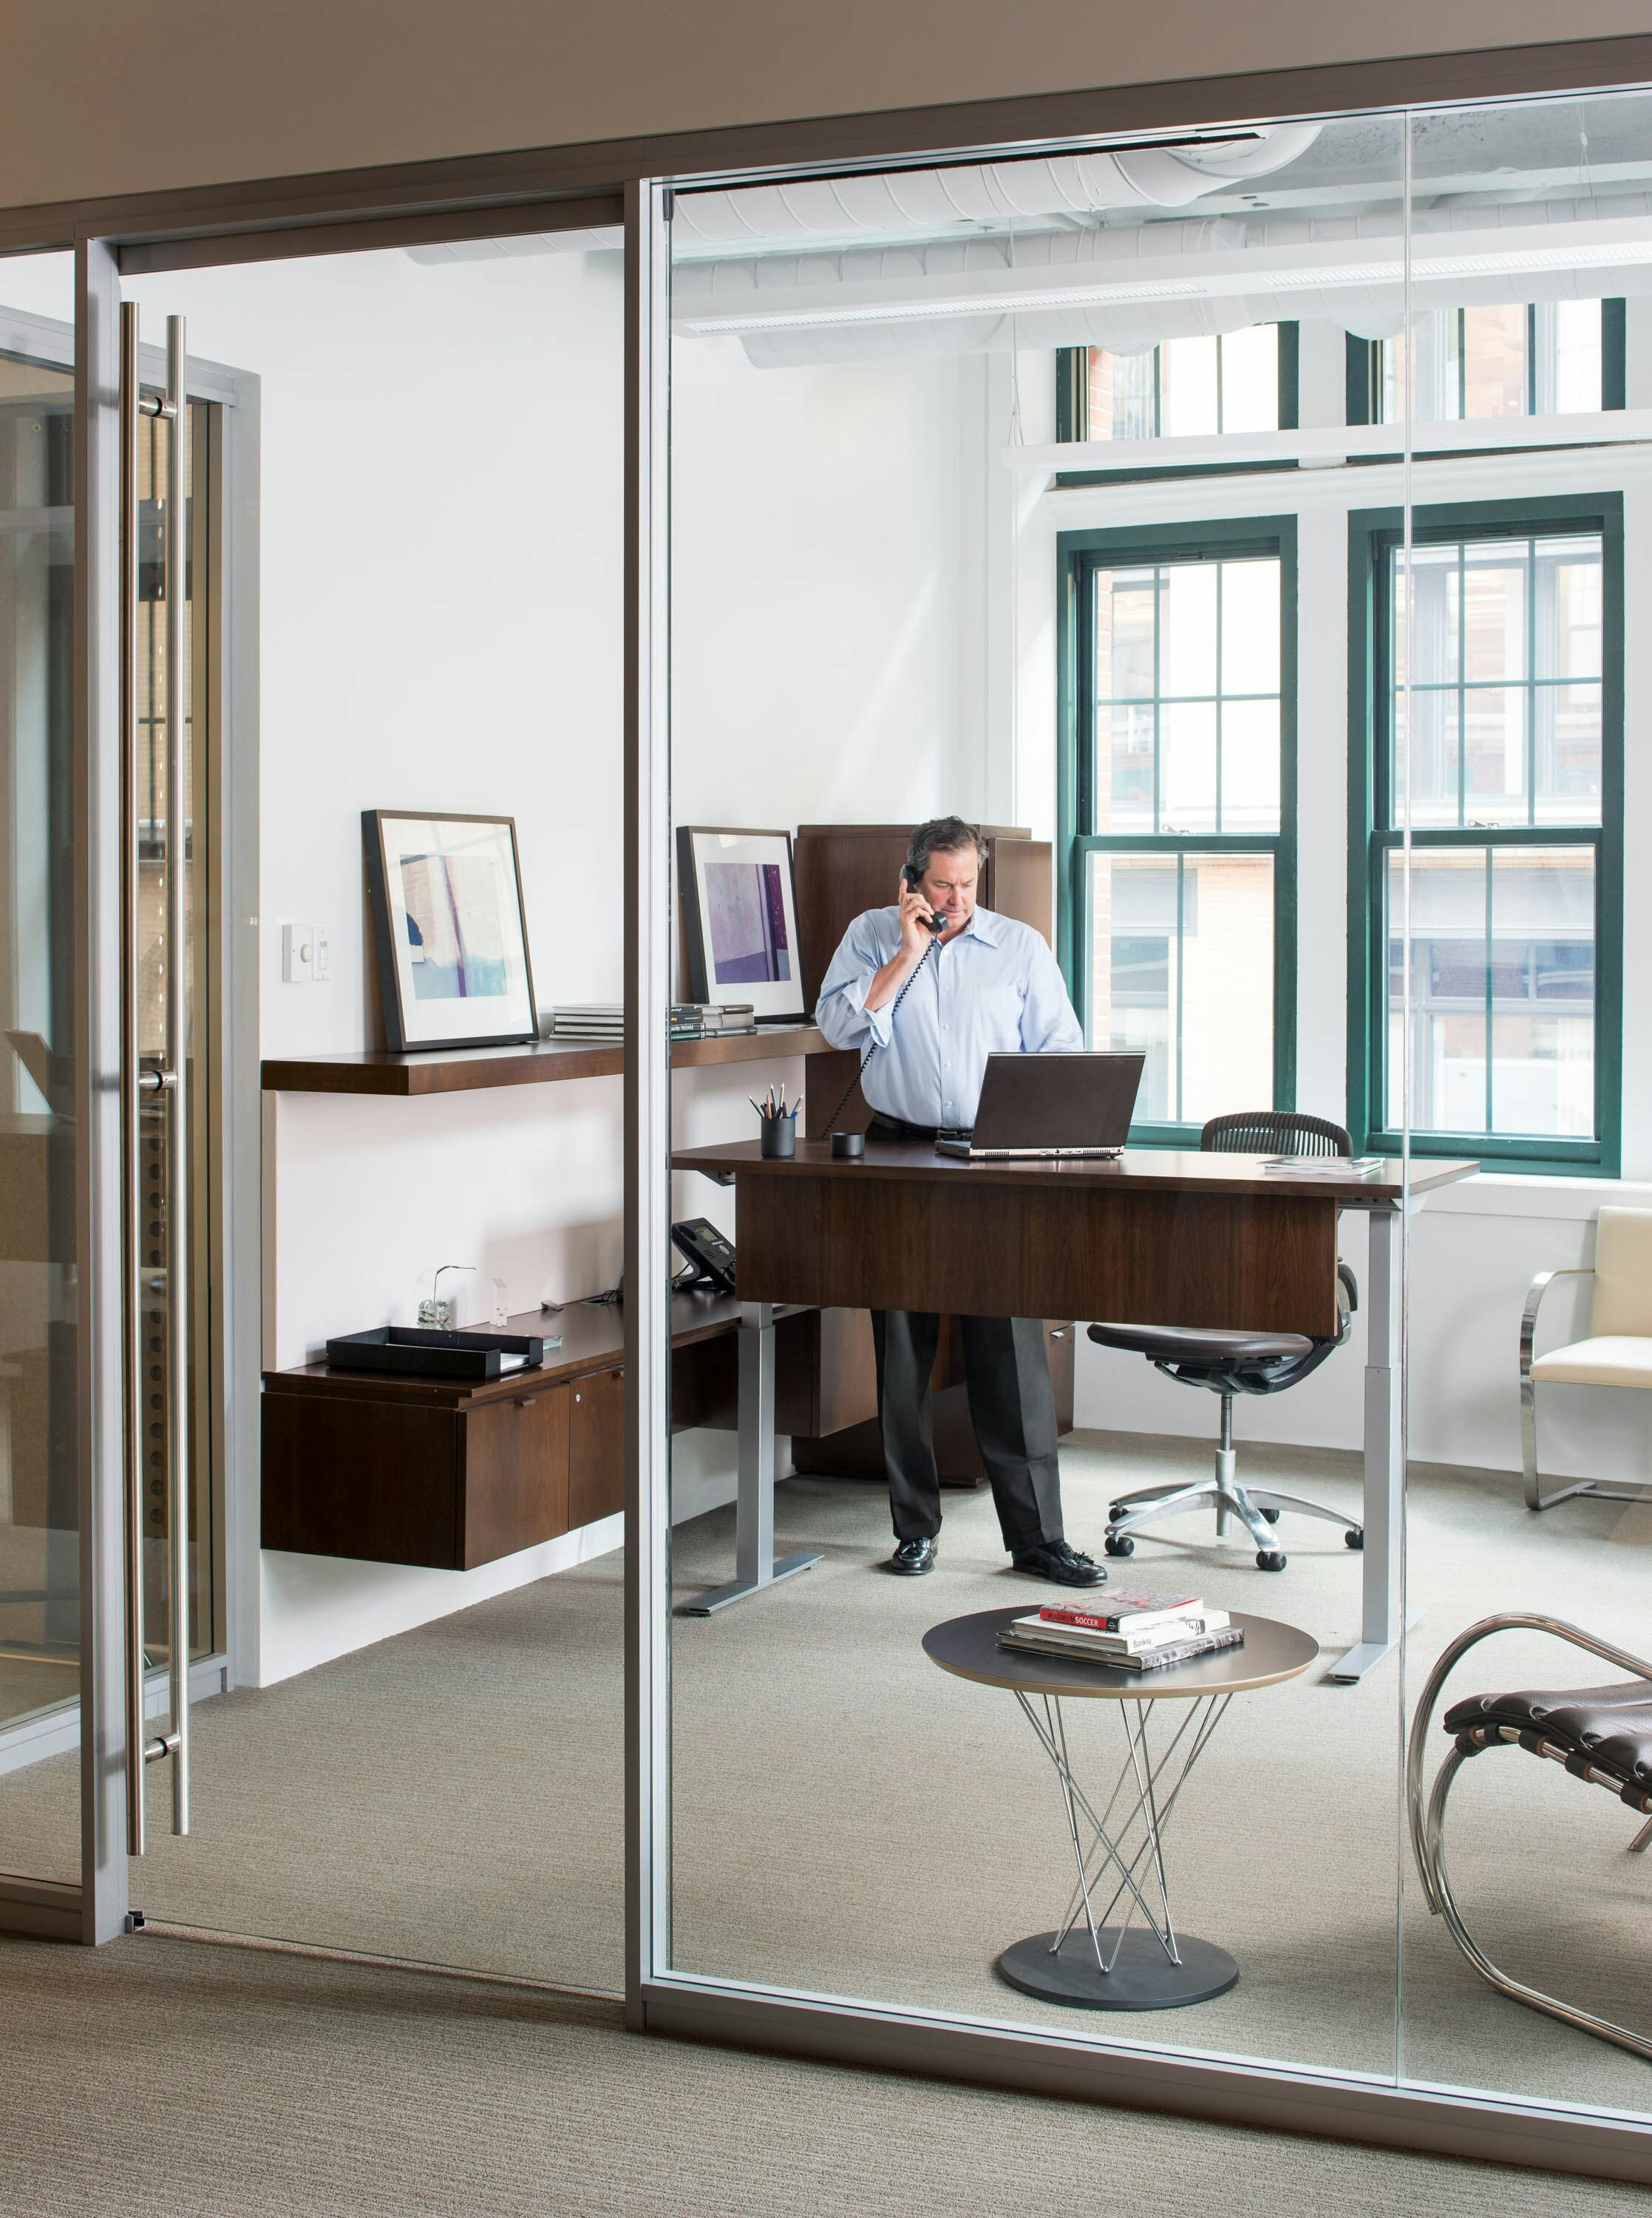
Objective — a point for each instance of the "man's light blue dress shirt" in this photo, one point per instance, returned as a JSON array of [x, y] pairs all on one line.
[[993, 989]]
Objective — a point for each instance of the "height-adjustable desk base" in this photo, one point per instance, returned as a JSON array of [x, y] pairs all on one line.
[[755, 1566]]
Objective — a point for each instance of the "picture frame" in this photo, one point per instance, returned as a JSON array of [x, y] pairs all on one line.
[[449, 928], [739, 919]]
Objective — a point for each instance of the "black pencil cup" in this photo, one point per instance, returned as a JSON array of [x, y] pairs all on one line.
[[778, 1136]]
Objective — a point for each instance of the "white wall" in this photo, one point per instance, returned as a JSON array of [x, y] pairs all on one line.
[[441, 628], [1475, 1249]]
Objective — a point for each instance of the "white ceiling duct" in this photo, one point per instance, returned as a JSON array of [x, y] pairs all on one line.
[[1127, 289], [767, 218], [921, 203]]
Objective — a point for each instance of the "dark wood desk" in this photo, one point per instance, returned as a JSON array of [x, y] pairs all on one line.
[[1156, 1236]]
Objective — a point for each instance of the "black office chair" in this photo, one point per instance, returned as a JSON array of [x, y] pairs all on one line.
[[1230, 1363]]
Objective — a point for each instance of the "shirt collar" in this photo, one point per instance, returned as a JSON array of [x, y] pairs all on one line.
[[986, 926]]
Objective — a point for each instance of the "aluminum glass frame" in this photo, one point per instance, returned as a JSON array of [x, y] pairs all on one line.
[[183, 228]]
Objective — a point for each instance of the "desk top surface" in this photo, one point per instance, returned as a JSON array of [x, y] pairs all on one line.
[[1162, 1169], [967, 1647]]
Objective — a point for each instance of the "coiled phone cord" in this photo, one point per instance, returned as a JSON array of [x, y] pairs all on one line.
[[877, 1044]]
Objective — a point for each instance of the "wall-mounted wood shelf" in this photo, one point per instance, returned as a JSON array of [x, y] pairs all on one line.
[[468, 1070]]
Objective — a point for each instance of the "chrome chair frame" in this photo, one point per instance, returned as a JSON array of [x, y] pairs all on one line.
[[1607, 1490], [1427, 1820]]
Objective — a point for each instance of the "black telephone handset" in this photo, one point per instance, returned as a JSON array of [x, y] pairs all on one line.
[[710, 1253], [931, 923]]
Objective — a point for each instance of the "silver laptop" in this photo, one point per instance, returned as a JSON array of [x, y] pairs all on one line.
[[1051, 1105]]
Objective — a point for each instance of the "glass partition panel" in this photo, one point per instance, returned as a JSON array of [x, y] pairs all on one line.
[[40, 1536], [1512, 886], [975, 518]]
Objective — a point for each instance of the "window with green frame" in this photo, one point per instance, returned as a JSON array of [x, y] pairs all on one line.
[[1196, 388], [1535, 358], [1177, 810], [1503, 711]]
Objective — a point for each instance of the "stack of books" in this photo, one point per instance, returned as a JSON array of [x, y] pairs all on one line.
[[606, 1020], [1328, 1167], [1139, 1632]]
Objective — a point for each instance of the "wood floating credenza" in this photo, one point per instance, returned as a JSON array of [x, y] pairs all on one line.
[[450, 1476], [531, 1062]]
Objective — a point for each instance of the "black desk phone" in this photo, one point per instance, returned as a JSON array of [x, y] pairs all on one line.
[[710, 1253], [933, 923]]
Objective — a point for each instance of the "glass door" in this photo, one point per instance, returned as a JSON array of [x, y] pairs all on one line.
[[40, 1538], [165, 805]]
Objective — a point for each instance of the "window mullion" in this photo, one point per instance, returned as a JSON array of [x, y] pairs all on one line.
[[1220, 573], [1531, 680], [1181, 934]]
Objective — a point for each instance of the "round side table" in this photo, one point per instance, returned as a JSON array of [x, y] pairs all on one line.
[[1118, 1843]]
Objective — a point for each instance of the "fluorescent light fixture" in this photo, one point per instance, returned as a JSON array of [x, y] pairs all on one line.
[[1427, 268]]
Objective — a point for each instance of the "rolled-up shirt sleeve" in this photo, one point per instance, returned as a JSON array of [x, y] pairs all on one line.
[[1049, 1026], [841, 1011]]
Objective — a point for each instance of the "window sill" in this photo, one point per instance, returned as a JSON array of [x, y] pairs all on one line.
[[1538, 1194]]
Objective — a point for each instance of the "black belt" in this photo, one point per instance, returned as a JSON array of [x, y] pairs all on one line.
[[883, 1127]]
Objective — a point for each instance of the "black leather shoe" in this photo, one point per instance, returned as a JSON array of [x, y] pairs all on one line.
[[913, 1557], [1063, 1565]]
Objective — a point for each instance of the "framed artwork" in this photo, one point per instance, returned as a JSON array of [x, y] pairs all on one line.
[[448, 923], [739, 913]]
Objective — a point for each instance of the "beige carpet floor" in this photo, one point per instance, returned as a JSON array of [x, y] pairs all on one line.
[[850, 1820], [213, 2082]]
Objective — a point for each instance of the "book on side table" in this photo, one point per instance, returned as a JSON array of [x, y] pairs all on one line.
[[1130, 1630]]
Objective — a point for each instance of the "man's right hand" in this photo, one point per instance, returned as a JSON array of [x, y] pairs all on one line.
[[916, 940], [915, 934]]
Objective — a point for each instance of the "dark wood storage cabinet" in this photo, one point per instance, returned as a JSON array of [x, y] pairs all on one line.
[[596, 1448], [443, 1482]]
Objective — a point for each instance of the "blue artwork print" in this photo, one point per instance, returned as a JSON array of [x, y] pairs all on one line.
[[746, 923]]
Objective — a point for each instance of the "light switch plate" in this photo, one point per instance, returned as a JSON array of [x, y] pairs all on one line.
[[320, 954]]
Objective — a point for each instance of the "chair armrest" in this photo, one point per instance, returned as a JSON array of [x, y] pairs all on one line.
[[1534, 1295], [1511, 1621]]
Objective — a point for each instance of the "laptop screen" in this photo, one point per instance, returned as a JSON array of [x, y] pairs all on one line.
[[1057, 1100]]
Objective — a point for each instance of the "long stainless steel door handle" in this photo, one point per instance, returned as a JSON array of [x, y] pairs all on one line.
[[176, 1096], [130, 1079], [167, 1085]]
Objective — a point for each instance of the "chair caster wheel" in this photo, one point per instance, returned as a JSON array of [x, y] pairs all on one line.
[[1273, 1515], [1125, 1547], [1119, 1509], [1269, 1559], [1356, 1538]]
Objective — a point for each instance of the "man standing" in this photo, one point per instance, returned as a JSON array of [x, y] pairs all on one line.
[[982, 985]]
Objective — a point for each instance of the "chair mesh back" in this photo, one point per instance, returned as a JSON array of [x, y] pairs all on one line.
[[1274, 1132]]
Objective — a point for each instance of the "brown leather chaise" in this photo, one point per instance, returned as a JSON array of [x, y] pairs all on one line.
[[1602, 1735]]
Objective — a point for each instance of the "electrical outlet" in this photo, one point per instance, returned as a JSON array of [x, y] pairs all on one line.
[[297, 954]]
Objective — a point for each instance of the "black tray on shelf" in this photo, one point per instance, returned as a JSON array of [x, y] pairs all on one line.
[[415, 1352]]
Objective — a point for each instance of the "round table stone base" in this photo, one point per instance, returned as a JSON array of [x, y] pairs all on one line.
[[1142, 1979]]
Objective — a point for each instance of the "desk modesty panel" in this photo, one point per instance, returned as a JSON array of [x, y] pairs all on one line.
[[1159, 1235]]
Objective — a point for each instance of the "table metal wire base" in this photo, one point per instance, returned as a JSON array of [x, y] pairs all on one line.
[[1119, 1852]]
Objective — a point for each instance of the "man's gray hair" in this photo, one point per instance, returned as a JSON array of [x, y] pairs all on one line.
[[943, 835]]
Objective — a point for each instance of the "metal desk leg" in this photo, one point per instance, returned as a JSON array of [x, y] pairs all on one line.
[[755, 1564], [1384, 1508]]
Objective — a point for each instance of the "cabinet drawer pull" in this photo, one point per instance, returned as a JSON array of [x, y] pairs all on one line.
[[525, 1402], [578, 1397], [1060, 1334]]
